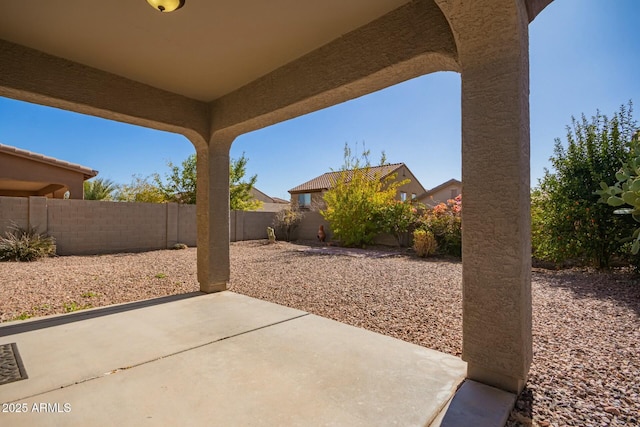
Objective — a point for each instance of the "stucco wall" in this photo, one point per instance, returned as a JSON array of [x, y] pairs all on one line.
[[317, 200], [443, 195], [42, 174], [412, 187]]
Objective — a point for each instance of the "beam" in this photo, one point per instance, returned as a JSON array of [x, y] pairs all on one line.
[[408, 42], [33, 76]]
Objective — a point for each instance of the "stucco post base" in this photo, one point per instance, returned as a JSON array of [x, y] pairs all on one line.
[[209, 288], [496, 379], [213, 214]]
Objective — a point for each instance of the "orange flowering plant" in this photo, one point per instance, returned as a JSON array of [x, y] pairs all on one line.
[[445, 222]]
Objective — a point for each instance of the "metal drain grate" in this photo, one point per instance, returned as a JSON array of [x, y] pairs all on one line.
[[11, 368]]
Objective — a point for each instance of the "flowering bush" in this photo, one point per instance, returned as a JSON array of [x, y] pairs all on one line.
[[445, 223]]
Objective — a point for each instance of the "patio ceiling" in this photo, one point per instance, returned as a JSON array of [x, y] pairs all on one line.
[[203, 51]]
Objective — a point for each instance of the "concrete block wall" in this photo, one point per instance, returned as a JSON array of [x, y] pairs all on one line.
[[84, 227], [187, 229], [250, 225], [308, 228], [13, 210], [89, 227]]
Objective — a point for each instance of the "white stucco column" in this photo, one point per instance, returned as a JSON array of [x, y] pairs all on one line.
[[213, 214], [492, 43]]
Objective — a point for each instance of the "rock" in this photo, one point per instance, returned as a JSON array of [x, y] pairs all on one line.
[[612, 410]]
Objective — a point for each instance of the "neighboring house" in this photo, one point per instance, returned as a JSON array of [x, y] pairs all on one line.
[[269, 204], [24, 173], [309, 195], [440, 194]]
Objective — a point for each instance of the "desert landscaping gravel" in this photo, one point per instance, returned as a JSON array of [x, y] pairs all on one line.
[[586, 325]]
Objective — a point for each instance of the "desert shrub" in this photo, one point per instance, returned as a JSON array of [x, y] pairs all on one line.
[[286, 221], [19, 244], [424, 243], [356, 200], [445, 223], [398, 218], [568, 223]]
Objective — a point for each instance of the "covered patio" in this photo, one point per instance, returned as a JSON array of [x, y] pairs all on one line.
[[220, 359], [212, 71]]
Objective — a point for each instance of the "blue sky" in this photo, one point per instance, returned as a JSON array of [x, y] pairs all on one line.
[[584, 57]]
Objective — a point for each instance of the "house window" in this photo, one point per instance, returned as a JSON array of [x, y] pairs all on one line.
[[403, 196], [304, 200], [454, 193], [413, 196]]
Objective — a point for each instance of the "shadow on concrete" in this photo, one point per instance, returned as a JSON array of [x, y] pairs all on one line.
[[47, 322]]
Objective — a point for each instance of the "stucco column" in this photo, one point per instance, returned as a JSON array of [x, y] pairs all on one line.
[[492, 43], [213, 214]]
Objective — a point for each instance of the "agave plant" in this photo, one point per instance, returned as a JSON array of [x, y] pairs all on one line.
[[25, 244]]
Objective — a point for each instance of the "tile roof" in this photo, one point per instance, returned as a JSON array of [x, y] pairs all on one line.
[[324, 181], [88, 172]]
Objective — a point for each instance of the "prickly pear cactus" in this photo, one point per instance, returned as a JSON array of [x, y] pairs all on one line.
[[627, 190]]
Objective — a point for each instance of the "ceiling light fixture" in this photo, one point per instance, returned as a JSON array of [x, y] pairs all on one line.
[[166, 5]]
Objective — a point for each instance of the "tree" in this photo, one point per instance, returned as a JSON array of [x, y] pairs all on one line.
[[356, 200], [99, 189], [140, 190], [240, 197], [180, 184], [567, 221]]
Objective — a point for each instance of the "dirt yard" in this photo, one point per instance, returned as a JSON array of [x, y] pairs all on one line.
[[586, 325]]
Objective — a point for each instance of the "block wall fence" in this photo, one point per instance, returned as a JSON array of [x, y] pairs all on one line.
[[84, 227]]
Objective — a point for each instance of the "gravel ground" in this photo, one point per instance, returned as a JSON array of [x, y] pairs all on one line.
[[586, 325]]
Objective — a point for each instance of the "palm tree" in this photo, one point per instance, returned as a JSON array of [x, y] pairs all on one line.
[[98, 189]]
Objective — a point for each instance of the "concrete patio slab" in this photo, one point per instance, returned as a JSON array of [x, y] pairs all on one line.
[[224, 360]]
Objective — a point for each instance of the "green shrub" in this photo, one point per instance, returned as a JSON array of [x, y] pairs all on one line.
[[424, 243], [568, 223], [19, 244], [398, 218]]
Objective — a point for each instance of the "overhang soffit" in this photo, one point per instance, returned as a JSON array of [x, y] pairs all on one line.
[[410, 41]]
